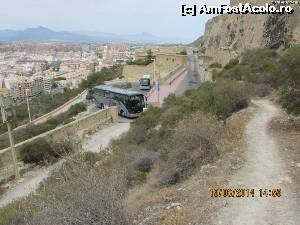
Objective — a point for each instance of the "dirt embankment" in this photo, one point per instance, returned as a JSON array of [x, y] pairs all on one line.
[[258, 155], [189, 202]]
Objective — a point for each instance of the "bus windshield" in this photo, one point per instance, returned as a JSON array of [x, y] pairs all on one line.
[[135, 103], [145, 82]]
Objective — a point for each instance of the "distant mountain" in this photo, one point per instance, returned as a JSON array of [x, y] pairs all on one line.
[[43, 34], [143, 37], [40, 34]]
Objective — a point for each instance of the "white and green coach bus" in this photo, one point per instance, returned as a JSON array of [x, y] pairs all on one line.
[[129, 103]]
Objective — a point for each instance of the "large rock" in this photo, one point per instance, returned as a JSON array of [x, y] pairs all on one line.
[[227, 36]]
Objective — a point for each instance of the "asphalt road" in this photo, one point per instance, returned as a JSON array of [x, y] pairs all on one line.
[[191, 80], [136, 87]]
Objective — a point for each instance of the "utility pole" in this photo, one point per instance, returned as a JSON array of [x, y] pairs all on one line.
[[11, 140], [158, 90], [28, 108], [13, 151], [154, 68]]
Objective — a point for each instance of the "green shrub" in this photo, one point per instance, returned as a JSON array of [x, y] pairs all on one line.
[[62, 148], [290, 99], [183, 52], [221, 98], [266, 69], [232, 63], [260, 60], [105, 74], [75, 109], [148, 59], [202, 50], [41, 152], [140, 62], [215, 65], [194, 144], [8, 215], [236, 94], [288, 80], [137, 178], [238, 72], [257, 66], [38, 152], [216, 74], [289, 72], [92, 157], [150, 118], [170, 117], [59, 78], [144, 162]]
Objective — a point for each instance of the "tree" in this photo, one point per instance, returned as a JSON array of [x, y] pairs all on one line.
[[149, 57]]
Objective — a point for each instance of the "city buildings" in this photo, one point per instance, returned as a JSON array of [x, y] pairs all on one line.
[[23, 87], [30, 69]]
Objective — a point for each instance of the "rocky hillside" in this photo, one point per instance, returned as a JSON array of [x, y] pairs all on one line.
[[226, 36]]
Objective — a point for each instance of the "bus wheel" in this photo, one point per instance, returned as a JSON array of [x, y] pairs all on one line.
[[121, 113]]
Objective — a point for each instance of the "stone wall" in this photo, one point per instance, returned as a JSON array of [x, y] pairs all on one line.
[[168, 62], [135, 72], [75, 128], [165, 64], [142, 52]]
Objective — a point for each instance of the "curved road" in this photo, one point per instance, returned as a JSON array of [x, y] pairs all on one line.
[[187, 80], [191, 79]]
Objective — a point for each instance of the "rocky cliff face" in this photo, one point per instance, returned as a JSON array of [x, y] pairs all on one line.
[[227, 36]]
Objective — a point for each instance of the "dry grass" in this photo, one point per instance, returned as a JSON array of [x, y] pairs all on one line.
[[195, 143], [82, 194], [173, 217], [143, 196], [235, 127]]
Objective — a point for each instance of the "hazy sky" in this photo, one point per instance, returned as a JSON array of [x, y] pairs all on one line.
[[159, 17]]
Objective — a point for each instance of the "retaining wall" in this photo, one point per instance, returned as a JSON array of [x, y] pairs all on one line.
[[75, 128]]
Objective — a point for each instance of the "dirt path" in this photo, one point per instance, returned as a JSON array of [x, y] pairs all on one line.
[[265, 167], [100, 140], [27, 185]]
